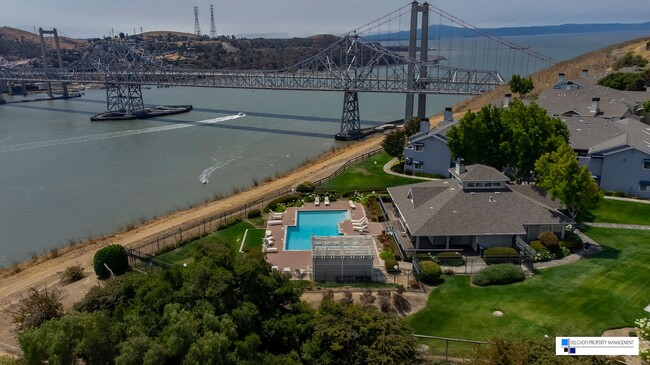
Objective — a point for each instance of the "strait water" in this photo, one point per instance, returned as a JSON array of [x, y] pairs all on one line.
[[63, 177]]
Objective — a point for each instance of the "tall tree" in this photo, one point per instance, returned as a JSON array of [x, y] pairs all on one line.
[[394, 143], [512, 138], [521, 85], [412, 127], [559, 173]]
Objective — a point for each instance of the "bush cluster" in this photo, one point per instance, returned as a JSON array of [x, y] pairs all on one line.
[[498, 255], [498, 275], [450, 259], [550, 241], [254, 214], [72, 273], [115, 257], [283, 199], [572, 241], [430, 271], [385, 255], [306, 187], [390, 263]]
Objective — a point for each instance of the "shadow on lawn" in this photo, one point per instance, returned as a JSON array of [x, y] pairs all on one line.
[[607, 252]]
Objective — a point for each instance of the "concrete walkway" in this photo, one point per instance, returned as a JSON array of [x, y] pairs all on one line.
[[642, 201], [619, 226], [390, 163]]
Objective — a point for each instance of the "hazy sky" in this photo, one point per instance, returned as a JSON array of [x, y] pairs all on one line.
[[94, 18]]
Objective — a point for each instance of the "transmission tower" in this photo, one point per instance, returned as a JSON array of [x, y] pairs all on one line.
[[213, 28], [197, 28]]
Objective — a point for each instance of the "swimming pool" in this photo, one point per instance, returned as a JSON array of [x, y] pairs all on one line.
[[313, 223]]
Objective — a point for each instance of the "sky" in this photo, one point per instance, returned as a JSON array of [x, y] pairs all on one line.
[[93, 18]]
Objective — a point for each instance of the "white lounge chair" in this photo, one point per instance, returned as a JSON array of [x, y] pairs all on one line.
[[360, 221], [269, 241], [327, 201], [271, 250], [317, 201], [352, 205], [274, 268], [274, 222], [287, 271], [360, 228], [268, 233], [274, 215]]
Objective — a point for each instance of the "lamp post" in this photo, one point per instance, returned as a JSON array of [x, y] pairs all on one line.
[[396, 267], [375, 168]]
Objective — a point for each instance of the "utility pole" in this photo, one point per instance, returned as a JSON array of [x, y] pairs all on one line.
[[197, 28]]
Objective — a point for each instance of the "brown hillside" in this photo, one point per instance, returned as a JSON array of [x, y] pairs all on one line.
[[164, 33], [29, 37]]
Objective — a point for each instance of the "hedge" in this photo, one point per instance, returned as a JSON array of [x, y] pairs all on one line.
[[537, 246], [450, 259], [306, 187], [254, 214], [283, 199], [115, 257], [550, 241], [390, 264], [498, 275], [384, 255], [429, 271], [500, 255]]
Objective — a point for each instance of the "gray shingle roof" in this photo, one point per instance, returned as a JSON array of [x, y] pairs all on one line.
[[633, 133], [441, 131], [480, 173], [587, 132], [613, 103], [452, 211]]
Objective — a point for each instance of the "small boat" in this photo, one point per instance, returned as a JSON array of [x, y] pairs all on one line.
[[241, 114]]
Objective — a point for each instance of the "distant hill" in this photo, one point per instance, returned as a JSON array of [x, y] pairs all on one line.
[[445, 31], [8, 33], [164, 33], [16, 44]]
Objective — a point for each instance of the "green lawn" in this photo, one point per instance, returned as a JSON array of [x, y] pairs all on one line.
[[608, 290], [367, 176], [185, 254], [616, 211], [254, 240]]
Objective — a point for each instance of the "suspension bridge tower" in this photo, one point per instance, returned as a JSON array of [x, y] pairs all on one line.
[[54, 33], [416, 10]]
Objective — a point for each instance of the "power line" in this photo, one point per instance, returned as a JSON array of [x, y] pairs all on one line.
[[213, 28], [197, 28]]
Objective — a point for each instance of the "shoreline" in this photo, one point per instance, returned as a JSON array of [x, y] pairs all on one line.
[[44, 271]]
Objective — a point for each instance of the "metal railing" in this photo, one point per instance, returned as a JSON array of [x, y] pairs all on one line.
[[475, 344]]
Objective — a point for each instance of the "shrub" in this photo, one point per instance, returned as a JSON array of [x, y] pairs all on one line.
[[72, 273], [254, 214], [36, 308], [450, 259], [572, 241], [306, 187], [449, 272], [550, 241], [430, 271], [544, 255], [499, 255], [498, 275], [273, 204], [565, 251], [390, 264], [537, 246], [384, 255], [115, 257]]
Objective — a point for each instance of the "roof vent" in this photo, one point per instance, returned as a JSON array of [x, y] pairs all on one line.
[[491, 199], [497, 192], [472, 193]]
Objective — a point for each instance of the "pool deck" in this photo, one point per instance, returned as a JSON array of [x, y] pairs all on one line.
[[296, 259]]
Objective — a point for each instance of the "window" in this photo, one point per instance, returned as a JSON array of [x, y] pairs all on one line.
[[646, 165], [488, 184], [418, 165], [471, 185], [644, 186], [419, 148]]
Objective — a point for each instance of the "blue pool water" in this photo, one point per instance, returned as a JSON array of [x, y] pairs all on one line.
[[314, 223]]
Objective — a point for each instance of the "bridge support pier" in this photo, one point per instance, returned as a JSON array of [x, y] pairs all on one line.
[[124, 98], [424, 57], [350, 121], [41, 32]]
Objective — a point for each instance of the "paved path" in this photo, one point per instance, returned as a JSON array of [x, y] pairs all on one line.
[[642, 201], [390, 163], [619, 226]]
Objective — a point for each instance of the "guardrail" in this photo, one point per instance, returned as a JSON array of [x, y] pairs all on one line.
[[347, 164], [454, 340]]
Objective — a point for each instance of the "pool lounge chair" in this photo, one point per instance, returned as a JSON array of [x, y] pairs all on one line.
[[274, 268], [274, 222], [360, 221], [271, 250], [327, 201], [287, 271], [352, 205], [274, 215], [268, 233], [360, 228], [317, 200]]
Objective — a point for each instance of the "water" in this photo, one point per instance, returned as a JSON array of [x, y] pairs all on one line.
[[63, 177], [314, 223]]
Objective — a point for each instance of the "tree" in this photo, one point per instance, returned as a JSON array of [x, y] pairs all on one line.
[[512, 138], [115, 257], [412, 127], [559, 173], [521, 85], [430, 271], [646, 106], [39, 306], [394, 143]]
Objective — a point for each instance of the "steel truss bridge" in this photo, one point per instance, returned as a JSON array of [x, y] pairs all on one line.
[[350, 65]]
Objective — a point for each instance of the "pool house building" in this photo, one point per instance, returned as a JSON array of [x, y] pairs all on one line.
[[342, 258]]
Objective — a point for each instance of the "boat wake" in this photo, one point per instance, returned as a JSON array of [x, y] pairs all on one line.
[[103, 136], [205, 175]]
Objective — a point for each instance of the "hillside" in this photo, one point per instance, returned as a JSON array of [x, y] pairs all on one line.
[[16, 44]]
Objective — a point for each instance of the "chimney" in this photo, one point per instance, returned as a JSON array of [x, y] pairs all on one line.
[[449, 115], [560, 77], [424, 125], [460, 168], [506, 100], [584, 74], [595, 105], [569, 85]]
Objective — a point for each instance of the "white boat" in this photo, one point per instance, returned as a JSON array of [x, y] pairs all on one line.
[[241, 114]]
